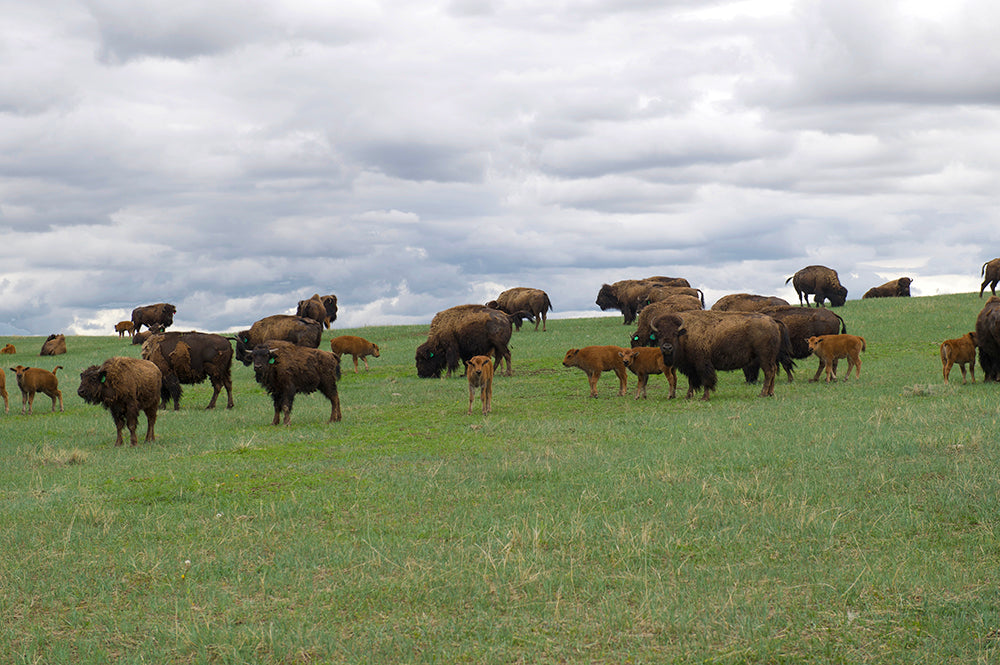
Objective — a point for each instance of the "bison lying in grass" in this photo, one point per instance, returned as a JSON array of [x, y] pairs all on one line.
[[699, 343], [459, 333], [124, 386], [897, 288]]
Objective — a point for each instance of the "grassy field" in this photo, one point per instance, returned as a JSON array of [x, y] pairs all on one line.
[[845, 523]]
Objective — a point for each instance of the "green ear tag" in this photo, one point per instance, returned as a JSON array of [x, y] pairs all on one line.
[[432, 355], [652, 337], [104, 378], [270, 361]]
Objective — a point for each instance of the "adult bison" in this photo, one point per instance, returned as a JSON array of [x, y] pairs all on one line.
[[699, 343], [319, 308], [524, 299], [284, 370], [459, 333], [988, 339], [626, 295], [124, 386], [157, 317], [747, 302], [822, 282], [191, 357], [54, 345], [991, 275], [644, 334], [896, 288], [299, 330]]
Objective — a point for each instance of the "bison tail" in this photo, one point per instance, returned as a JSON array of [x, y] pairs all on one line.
[[789, 279], [843, 326], [548, 303]]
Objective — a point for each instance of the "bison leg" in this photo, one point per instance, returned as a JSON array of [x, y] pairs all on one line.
[[592, 378], [335, 414], [672, 381], [132, 422], [151, 423], [640, 389], [622, 381], [946, 370], [30, 402], [356, 364], [972, 371], [487, 397], [770, 376], [472, 396], [118, 415]]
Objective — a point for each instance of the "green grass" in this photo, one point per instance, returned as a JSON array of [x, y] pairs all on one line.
[[846, 523]]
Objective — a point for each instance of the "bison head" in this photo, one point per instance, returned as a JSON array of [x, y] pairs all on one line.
[[606, 298], [837, 296], [431, 360], [242, 350], [904, 287], [93, 385]]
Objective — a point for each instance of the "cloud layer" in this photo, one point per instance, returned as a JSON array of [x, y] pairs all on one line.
[[235, 157]]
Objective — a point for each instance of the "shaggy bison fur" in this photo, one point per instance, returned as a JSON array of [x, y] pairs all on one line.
[[285, 370], [988, 339], [626, 295], [191, 357], [124, 386], [596, 359], [747, 302], [461, 332], [157, 317], [700, 343], [960, 351], [990, 272], [299, 330], [54, 345], [822, 282], [803, 324], [644, 334], [524, 299], [897, 288], [315, 308]]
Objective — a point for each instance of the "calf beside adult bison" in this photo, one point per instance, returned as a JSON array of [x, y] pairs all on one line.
[[459, 333]]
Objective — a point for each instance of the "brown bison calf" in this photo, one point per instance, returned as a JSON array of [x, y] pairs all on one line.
[[357, 347], [830, 348], [9, 349], [33, 380], [479, 371], [3, 393], [960, 351], [645, 360], [123, 327], [124, 386], [596, 359]]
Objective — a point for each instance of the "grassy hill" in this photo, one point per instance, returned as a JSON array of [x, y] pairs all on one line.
[[853, 522]]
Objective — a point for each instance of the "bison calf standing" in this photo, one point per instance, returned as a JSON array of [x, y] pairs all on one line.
[[357, 347], [479, 371], [285, 370], [960, 351], [596, 359], [830, 348], [123, 327], [645, 360], [33, 380], [3, 393], [124, 386]]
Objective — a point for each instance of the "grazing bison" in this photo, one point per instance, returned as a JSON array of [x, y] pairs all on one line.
[[596, 359], [523, 299], [8, 349], [156, 317], [960, 351], [644, 334], [299, 330], [124, 386], [314, 309], [699, 343], [123, 327], [33, 380], [747, 302], [821, 281], [461, 332], [831, 348], [54, 345], [991, 275], [479, 372], [988, 339], [357, 347], [285, 370], [191, 357], [626, 295], [897, 288], [645, 360]]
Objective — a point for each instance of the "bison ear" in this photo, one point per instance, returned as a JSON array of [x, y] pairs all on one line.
[[102, 377]]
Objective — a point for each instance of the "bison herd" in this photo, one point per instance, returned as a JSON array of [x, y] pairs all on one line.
[[674, 333]]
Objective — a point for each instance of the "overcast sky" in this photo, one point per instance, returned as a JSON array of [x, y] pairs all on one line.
[[235, 156]]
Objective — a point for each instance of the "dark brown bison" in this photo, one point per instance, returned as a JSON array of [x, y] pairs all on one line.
[[988, 339], [314, 309], [897, 288], [191, 357], [54, 345], [299, 330], [124, 386], [990, 273], [626, 295], [330, 302], [156, 317], [699, 343], [523, 299], [285, 370], [822, 282], [644, 334], [459, 333], [660, 292], [747, 302]]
